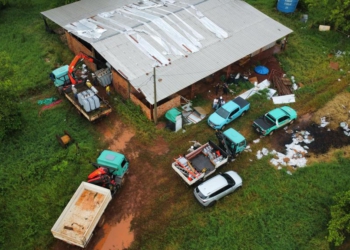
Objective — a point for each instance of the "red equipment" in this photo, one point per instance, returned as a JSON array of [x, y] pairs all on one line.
[[101, 177], [79, 57]]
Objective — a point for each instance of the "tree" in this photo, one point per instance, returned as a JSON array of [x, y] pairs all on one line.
[[336, 12], [339, 225]]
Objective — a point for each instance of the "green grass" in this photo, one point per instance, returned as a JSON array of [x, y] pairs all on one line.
[[273, 211]]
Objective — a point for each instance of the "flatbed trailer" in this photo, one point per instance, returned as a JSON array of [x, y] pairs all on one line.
[[104, 109], [201, 163], [81, 215]]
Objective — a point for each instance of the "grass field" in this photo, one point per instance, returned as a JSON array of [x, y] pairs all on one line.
[[274, 210]]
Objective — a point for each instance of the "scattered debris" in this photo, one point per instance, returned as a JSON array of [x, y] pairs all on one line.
[[263, 85], [345, 127], [283, 99], [324, 123], [256, 141], [295, 153]]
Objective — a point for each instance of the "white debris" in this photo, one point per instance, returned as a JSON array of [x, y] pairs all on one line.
[[256, 141], [295, 153], [259, 155], [345, 127], [288, 172], [283, 99], [265, 151], [324, 123]]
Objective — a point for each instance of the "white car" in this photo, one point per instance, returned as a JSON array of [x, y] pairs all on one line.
[[210, 191]]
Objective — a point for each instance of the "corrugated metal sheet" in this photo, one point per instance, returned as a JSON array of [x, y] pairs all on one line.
[[248, 31]]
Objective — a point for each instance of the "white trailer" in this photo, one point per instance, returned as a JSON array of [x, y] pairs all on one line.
[[200, 163], [81, 215]]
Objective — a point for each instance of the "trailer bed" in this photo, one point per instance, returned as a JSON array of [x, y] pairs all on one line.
[[104, 109], [81, 215]]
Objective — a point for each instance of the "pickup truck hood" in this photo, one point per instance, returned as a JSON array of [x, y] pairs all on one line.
[[216, 119], [262, 123]]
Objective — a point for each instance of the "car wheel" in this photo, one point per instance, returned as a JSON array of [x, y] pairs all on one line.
[[212, 204], [271, 133], [243, 113], [239, 188], [291, 122]]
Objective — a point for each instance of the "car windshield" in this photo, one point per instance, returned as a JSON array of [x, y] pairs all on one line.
[[202, 196], [228, 178], [222, 112], [269, 119]]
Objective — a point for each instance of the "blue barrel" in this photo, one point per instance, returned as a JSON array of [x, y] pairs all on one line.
[[287, 6]]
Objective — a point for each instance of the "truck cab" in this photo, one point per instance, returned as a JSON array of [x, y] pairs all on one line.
[[232, 141], [117, 163]]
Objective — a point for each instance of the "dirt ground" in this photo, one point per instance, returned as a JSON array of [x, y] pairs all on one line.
[[129, 203]]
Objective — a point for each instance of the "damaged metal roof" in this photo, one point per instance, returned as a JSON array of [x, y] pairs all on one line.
[[186, 41]]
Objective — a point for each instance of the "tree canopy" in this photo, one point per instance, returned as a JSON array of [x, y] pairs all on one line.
[[339, 225]]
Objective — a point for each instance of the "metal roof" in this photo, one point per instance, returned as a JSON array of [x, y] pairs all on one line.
[[200, 37]]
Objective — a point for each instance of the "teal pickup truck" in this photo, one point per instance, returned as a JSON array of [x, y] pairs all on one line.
[[275, 119], [228, 112]]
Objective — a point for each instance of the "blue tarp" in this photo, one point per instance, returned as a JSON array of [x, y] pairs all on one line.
[[262, 70]]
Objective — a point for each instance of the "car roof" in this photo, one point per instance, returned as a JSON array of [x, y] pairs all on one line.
[[277, 113], [211, 185], [234, 135], [230, 106]]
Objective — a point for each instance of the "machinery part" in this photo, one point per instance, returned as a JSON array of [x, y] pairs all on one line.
[[65, 139], [79, 57]]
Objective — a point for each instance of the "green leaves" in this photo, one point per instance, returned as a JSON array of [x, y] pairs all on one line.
[[339, 225]]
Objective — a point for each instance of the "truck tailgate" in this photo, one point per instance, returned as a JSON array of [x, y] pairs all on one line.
[[81, 215]]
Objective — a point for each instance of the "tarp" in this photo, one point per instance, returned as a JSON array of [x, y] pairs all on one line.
[[172, 114], [262, 70]]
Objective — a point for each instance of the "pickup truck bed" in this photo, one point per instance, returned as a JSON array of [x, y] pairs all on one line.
[[200, 163], [81, 215]]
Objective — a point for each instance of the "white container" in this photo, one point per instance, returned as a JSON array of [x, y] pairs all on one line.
[[86, 105], [97, 102], [91, 103], [94, 89]]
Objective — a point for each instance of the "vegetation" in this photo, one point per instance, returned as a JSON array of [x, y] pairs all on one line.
[[339, 225], [274, 210]]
